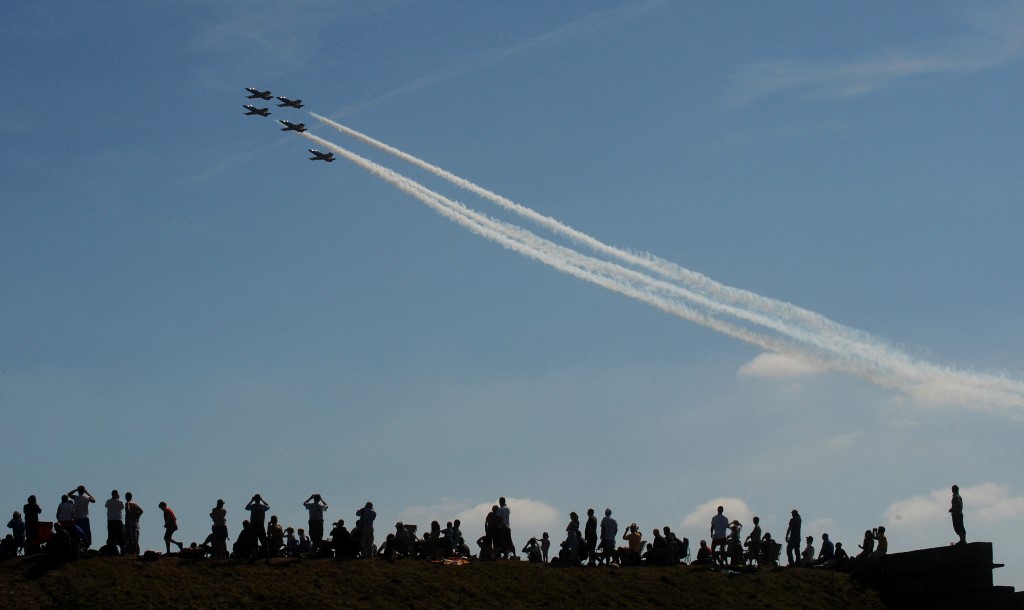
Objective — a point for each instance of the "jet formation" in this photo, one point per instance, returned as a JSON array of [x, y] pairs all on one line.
[[286, 102]]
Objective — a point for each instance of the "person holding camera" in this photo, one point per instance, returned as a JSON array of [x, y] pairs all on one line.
[[316, 507]]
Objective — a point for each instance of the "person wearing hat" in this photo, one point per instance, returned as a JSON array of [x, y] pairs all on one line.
[[807, 557]]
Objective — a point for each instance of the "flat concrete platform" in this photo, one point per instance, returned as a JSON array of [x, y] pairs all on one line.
[[956, 576]]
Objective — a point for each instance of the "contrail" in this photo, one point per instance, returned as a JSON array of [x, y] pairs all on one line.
[[832, 335], [720, 297], [562, 258], [779, 312], [844, 351]]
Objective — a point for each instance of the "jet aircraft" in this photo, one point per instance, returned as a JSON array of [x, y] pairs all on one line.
[[289, 126], [289, 102], [321, 156], [256, 93], [254, 110]]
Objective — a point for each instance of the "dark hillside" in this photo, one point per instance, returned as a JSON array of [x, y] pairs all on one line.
[[171, 582]]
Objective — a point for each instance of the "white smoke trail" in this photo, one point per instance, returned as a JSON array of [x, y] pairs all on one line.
[[891, 368], [564, 259], [694, 285], [761, 310]]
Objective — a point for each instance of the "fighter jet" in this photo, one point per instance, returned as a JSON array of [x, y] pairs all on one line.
[[289, 126], [321, 156], [289, 102], [256, 93], [254, 110]]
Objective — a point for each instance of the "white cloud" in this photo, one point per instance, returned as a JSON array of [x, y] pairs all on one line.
[[987, 503], [528, 517], [772, 365], [999, 38], [443, 511], [735, 509]]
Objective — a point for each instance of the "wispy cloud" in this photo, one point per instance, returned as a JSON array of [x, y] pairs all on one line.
[[559, 35], [997, 38]]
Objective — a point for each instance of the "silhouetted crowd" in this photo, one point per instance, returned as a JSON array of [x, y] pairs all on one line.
[[591, 543]]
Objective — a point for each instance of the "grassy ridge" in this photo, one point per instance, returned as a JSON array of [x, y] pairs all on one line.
[[117, 582]]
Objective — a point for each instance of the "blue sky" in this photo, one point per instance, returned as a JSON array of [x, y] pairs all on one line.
[[194, 311]]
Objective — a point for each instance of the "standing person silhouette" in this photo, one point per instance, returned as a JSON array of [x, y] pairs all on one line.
[[956, 509], [366, 516], [719, 535], [132, 514], [316, 506], [258, 508], [793, 539]]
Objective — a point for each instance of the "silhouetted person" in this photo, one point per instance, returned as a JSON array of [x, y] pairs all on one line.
[[507, 547], [631, 554], [305, 546], [719, 535], [807, 557], [66, 511], [660, 552], [82, 502], [609, 535], [115, 522], [842, 558], [246, 543], [956, 509], [31, 512], [533, 552], [316, 507], [402, 543], [275, 537], [219, 530], [17, 526], [291, 545], [735, 546], [61, 547], [827, 554], [132, 515], [703, 554], [344, 546], [258, 508], [461, 548], [590, 537], [753, 543], [868, 546], [170, 526], [366, 516], [569, 552], [492, 533], [793, 539], [881, 544], [675, 545]]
